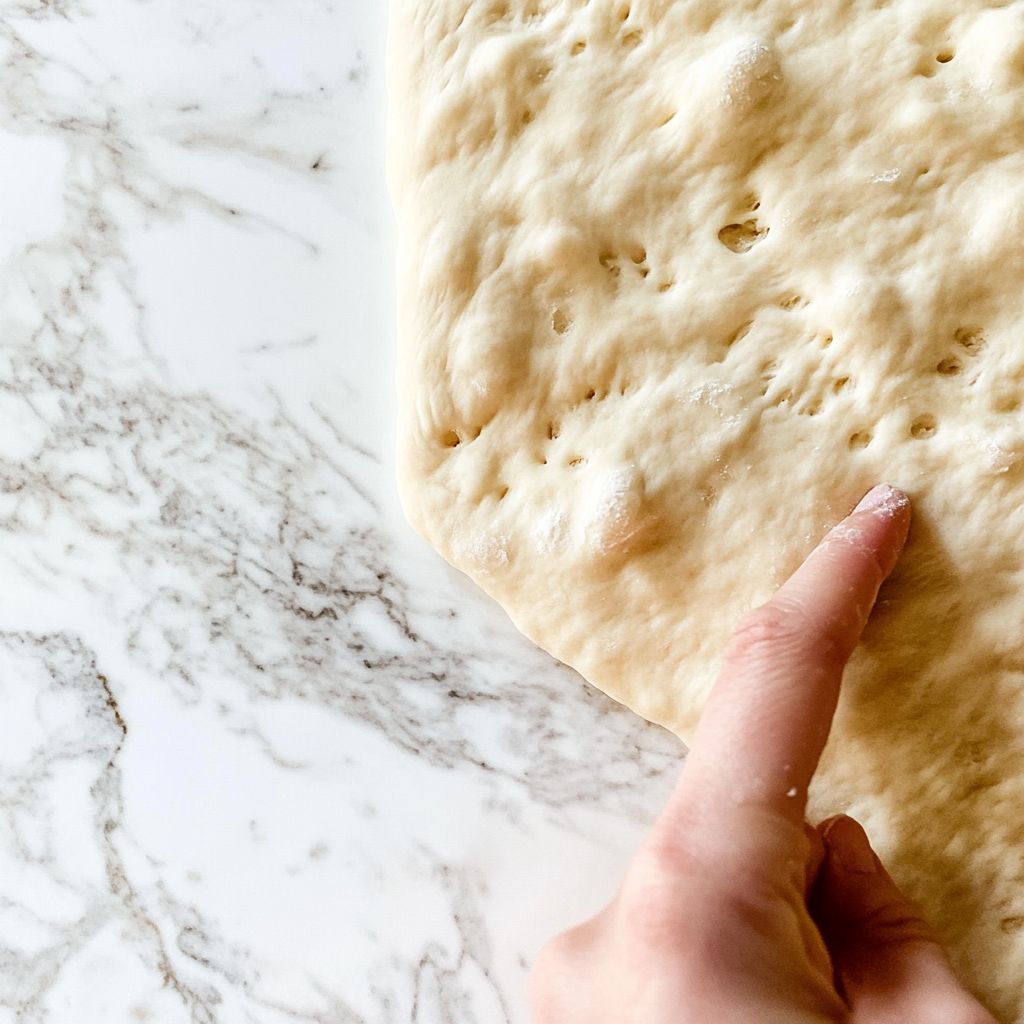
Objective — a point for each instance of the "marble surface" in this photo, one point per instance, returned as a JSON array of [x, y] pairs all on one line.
[[264, 758]]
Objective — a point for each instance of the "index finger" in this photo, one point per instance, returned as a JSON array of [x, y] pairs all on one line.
[[769, 714]]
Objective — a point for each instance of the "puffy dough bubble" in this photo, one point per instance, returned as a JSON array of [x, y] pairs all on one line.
[[485, 552], [616, 512], [753, 74]]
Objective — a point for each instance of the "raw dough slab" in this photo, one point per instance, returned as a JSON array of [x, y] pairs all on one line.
[[678, 282]]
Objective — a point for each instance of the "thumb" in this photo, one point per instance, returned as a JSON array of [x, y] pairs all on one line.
[[888, 965]]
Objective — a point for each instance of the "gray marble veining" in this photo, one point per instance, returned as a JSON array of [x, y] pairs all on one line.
[[264, 757]]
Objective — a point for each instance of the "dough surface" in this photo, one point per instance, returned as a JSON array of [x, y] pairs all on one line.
[[679, 281]]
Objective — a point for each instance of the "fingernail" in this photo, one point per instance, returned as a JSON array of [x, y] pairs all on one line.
[[883, 500], [848, 844]]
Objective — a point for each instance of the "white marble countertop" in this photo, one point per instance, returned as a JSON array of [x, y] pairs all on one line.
[[264, 758]]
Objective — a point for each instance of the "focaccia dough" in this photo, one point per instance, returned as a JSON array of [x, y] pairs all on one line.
[[678, 282]]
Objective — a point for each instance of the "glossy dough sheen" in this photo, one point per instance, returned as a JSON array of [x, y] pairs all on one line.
[[678, 282]]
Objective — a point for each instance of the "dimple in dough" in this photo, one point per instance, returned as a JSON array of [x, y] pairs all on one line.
[[678, 282]]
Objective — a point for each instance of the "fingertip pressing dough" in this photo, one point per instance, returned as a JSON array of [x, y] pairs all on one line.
[[679, 281]]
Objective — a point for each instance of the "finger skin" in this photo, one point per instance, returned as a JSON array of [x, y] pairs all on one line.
[[769, 714], [888, 965]]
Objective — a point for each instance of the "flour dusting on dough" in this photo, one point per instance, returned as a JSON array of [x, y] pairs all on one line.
[[753, 74], [893, 174], [551, 531], [709, 392], [998, 458], [616, 510], [487, 553], [718, 396]]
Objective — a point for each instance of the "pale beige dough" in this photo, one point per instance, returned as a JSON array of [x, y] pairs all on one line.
[[678, 282]]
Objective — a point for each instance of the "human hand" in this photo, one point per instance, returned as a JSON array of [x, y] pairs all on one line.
[[734, 909]]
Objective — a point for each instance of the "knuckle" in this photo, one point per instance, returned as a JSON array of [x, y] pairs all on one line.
[[654, 931], [780, 628], [765, 630], [642, 895], [660, 880], [664, 856]]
